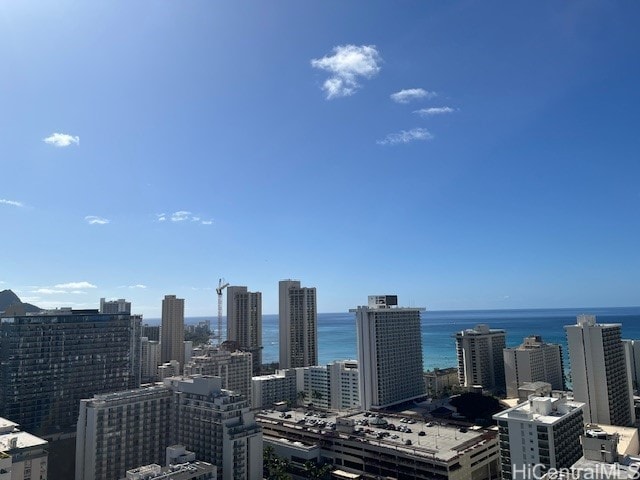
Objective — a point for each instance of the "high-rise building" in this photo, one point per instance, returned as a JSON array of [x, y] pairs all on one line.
[[234, 368], [218, 426], [389, 352], [150, 359], [480, 357], [22, 456], [541, 433], [52, 360], [599, 371], [121, 431], [632, 355], [533, 361], [298, 325], [172, 340], [244, 322], [115, 306], [152, 332]]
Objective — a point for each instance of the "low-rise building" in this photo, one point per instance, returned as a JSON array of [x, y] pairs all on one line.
[[22, 456], [366, 445], [438, 380], [184, 471], [278, 387]]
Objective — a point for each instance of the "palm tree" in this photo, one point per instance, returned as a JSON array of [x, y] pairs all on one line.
[[274, 467], [316, 395], [302, 396], [315, 471]]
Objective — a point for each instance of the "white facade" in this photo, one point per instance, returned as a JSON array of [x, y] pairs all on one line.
[[185, 471], [120, 431], [22, 456], [206, 417], [110, 425], [234, 368], [115, 306], [389, 352], [244, 322], [298, 325], [541, 431], [150, 352], [169, 369], [480, 357], [533, 361], [599, 372], [632, 352], [269, 389], [344, 380], [172, 334], [334, 386]]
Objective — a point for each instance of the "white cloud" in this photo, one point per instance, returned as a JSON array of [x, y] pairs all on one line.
[[347, 65], [13, 203], [429, 112], [48, 291], [139, 285], [61, 140], [406, 136], [410, 94], [75, 285], [180, 216], [93, 220]]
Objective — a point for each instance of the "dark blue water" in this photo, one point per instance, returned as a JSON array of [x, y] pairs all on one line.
[[337, 333]]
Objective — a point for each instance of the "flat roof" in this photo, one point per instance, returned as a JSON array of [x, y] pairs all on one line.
[[525, 411], [440, 441], [24, 440], [7, 425], [627, 438]]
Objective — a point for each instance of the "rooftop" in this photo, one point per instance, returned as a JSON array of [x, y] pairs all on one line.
[[21, 439], [541, 410], [628, 442], [444, 442], [181, 471], [481, 329], [7, 426]]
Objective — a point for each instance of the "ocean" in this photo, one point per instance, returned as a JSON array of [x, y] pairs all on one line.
[[337, 332]]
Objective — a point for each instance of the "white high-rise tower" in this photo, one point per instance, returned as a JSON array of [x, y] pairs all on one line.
[[599, 372], [389, 352]]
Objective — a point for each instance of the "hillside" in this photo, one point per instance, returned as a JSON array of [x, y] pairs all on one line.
[[8, 298]]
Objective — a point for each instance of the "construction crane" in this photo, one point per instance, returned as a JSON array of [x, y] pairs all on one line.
[[221, 286]]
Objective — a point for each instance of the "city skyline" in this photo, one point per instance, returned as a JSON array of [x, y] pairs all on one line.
[[464, 156]]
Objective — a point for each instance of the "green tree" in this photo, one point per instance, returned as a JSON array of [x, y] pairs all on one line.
[[274, 467], [315, 471], [302, 396], [316, 395]]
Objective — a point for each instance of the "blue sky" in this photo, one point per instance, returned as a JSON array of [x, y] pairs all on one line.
[[151, 147]]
